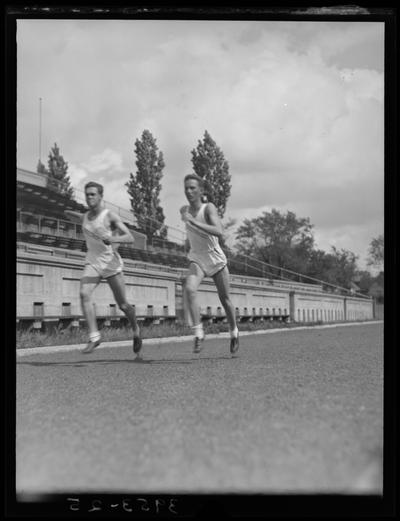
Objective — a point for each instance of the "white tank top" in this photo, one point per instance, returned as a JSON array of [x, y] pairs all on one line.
[[95, 231], [201, 241]]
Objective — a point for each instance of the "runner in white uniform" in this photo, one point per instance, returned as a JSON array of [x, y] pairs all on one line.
[[101, 258], [103, 262], [206, 257]]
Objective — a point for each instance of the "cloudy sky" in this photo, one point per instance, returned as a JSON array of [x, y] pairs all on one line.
[[296, 107]]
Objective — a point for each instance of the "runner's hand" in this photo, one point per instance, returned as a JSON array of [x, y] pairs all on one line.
[[185, 215]]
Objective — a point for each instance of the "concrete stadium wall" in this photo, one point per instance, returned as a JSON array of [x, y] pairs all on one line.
[[248, 298], [312, 308], [54, 281], [263, 298], [51, 277], [357, 310]]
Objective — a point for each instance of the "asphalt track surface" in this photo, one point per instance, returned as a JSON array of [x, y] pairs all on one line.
[[300, 411]]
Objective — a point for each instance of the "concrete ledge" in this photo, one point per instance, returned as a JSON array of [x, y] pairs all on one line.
[[175, 339]]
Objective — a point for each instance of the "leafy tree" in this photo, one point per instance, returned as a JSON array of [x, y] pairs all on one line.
[[377, 289], [371, 285], [58, 178], [339, 267], [279, 239], [287, 242], [319, 263], [364, 279], [144, 187], [209, 163], [376, 252]]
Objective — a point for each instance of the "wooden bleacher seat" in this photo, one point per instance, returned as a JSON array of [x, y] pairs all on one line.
[[33, 237], [76, 244], [124, 251], [48, 240], [63, 242]]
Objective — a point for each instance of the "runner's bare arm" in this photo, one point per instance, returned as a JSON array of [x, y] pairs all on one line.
[[74, 216], [124, 235], [184, 210]]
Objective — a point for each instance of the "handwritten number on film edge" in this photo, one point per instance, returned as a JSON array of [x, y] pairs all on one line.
[[96, 505]]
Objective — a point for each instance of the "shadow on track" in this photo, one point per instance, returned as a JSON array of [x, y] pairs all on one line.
[[161, 361]]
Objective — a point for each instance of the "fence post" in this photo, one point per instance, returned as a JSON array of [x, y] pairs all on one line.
[[292, 306]]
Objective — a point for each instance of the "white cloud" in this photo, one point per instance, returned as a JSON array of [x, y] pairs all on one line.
[[77, 174], [106, 161]]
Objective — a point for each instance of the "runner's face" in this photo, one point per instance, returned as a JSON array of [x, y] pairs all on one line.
[[193, 190], [93, 197]]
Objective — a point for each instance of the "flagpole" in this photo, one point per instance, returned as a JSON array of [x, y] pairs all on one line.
[[40, 129]]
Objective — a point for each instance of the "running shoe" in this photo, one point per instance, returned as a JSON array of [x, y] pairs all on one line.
[[234, 346], [137, 344], [198, 344], [91, 346]]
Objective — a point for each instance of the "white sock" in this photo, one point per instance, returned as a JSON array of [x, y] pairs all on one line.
[[234, 332], [93, 337], [198, 331]]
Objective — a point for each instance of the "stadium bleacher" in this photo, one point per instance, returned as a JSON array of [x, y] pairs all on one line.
[[128, 252]]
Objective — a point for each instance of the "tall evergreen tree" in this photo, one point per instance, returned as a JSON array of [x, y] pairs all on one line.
[[209, 163], [58, 178], [145, 186], [41, 169]]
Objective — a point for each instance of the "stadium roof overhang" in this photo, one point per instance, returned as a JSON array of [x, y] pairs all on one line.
[[33, 191], [29, 195]]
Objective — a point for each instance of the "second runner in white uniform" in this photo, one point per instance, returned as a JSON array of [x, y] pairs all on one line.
[[204, 247], [206, 258]]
